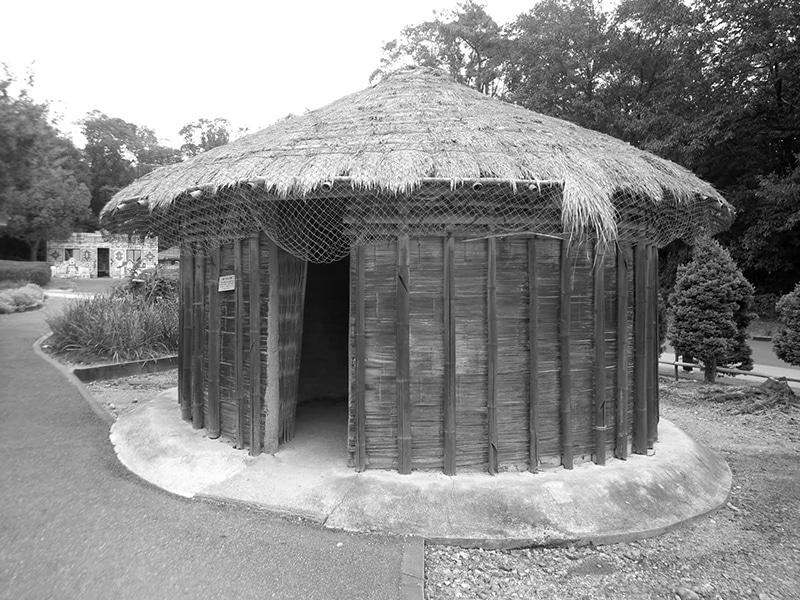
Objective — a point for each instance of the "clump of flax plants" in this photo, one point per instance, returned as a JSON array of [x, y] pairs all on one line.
[[116, 328]]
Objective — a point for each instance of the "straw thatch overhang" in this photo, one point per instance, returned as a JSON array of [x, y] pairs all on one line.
[[415, 131]]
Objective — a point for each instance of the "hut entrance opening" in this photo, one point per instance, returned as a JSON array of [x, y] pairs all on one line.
[[323, 381]]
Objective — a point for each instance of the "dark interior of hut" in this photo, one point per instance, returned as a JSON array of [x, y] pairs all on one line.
[[323, 386]]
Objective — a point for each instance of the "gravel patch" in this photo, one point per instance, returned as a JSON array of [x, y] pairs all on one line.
[[126, 393], [750, 549]]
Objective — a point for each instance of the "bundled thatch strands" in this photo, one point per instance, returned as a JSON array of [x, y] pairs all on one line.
[[493, 278]]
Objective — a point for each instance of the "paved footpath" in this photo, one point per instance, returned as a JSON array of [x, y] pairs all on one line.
[[74, 523]]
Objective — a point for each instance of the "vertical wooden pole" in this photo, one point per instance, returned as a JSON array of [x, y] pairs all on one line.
[[361, 353], [214, 357], [186, 312], [652, 328], [198, 325], [402, 359], [641, 350], [491, 318], [533, 357], [255, 345], [238, 356], [621, 446], [449, 409], [272, 400], [565, 323], [599, 356]]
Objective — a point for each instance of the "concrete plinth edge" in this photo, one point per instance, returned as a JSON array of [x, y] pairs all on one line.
[[624, 500]]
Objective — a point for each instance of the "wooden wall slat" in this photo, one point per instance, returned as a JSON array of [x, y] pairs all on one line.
[[642, 352], [599, 356], [214, 357], [272, 399], [533, 357], [491, 318], [198, 322], [652, 327], [360, 342], [564, 355], [255, 345], [402, 359], [185, 348], [240, 416], [449, 409], [621, 448]]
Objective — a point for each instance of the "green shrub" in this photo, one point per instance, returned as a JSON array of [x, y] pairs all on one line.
[[26, 297], [153, 285], [787, 341], [25, 272], [127, 327], [711, 308]]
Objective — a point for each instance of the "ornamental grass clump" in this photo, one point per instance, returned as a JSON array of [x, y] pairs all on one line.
[[18, 299], [787, 341], [126, 327], [711, 307]]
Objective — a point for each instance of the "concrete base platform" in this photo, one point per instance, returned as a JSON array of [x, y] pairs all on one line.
[[309, 477]]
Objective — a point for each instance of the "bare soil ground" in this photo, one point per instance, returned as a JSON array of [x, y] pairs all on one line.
[[750, 549], [125, 393]]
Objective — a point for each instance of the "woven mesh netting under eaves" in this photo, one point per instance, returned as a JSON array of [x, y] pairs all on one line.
[[324, 225]]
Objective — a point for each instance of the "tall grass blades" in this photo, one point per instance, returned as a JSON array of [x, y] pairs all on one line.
[[119, 328]]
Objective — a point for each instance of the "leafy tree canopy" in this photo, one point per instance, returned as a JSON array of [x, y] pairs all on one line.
[[118, 152], [711, 84], [53, 206], [204, 134]]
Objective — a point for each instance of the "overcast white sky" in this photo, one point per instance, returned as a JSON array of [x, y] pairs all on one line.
[[165, 63]]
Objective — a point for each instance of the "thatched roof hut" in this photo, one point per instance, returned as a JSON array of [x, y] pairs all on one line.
[[496, 290]]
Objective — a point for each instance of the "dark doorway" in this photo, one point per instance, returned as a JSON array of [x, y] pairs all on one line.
[[102, 262], [326, 325]]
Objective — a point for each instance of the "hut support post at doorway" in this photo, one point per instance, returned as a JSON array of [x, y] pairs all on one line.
[[185, 384], [213, 345], [198, 317], [272, 423], [238, 353], [402, 357], [360, 335]]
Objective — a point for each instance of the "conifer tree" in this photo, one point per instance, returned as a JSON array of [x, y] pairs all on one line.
[[711, 307], [787, 341]]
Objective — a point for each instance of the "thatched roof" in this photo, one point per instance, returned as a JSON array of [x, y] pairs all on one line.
[[418, 125]]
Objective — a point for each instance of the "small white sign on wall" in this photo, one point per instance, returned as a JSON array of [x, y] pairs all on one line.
[[227, 283]]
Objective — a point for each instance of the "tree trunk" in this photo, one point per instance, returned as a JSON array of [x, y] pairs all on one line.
[[34, 246], [710, 371]]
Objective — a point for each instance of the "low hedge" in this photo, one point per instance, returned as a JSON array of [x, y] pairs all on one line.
[[25, 272]]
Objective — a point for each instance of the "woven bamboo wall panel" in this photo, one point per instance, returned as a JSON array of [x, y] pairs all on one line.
[[470, 262], [548, 273], [513, 345], [380, 310], [426, 362], [582, 350]]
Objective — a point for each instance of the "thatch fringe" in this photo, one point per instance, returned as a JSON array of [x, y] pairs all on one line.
[[417, 125]]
